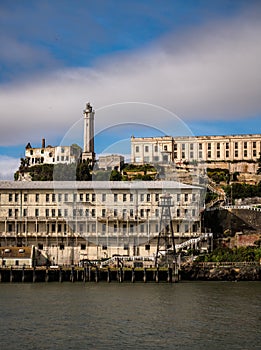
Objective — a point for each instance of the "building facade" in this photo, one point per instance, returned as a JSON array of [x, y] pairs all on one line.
[[110, 161], [52, 154], [72, 221], [230, 148]]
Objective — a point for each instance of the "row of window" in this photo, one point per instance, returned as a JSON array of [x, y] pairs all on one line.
[[104, 213], [199, 146], [115, 228], [91, 197]]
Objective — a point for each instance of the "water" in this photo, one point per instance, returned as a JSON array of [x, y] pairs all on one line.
[[187, 315]]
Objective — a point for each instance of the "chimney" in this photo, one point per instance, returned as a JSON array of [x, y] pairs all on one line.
[[43, 143]]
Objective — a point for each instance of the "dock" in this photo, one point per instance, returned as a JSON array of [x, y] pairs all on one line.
[[87, 274]]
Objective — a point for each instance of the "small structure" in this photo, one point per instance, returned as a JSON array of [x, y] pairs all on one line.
[[111, 161], [17, 256], [166, 252]]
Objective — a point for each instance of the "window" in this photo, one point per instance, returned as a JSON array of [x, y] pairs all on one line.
[[183, 146], [115, 212], [83, 246], [183, 155], [62, 158], [200, 146], [103, 228], [209, 146], [137, 149], [157, 212], [75, 197], [53, 213], [245, 153], [93, 213], [146, 149], [36, 212], [236, 145], [165, 147], [186, 197], [58, 159], [175, 147], [115, 197], [142, 213], [53, 197], [218, 145], [87, 213], [200, 154], [104, 197], [178, 213], [194, 197], [131, 213], [61, 246], [209, 154], [254, 144], [157, 197], [254, 153], [245, 145], [16, 197], [81, 197], [142, 197], [142, 228], [65, 213], [25, 212], [46, 212], [148, 197], [10, 212], [175, 155], [66, 197], [103, 213], [131, 228], [124, 197], [62, 150], [59, 197], [156, 149], [227, 145], [25, 197], [87, 197], [191, 146], [131, 197], [59, 228], [115, 228], [10, 227], [80, 212], [191, 154], [40, 246], [93, 197], [227, 154], [218, 154], [236, 153], [47, 197]]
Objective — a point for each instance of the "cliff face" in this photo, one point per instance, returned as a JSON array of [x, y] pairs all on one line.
[[214, 272], [225, 223]]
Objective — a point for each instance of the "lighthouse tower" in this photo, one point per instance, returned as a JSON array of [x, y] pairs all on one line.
[[88, 138]]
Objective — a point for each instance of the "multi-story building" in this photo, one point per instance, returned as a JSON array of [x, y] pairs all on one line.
[[230, 148], [52, 154], [71, 221]]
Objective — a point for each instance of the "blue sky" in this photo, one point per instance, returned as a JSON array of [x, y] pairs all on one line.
[[147, 67]]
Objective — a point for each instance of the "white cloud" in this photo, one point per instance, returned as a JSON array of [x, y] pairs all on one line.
[[212, 73], [8, 167]]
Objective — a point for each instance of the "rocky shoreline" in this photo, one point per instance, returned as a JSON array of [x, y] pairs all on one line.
[[195, 272]]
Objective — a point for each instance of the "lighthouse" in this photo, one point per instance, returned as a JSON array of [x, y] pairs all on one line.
[[88, 138]]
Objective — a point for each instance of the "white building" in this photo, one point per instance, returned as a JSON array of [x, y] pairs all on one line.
[[71, 221], [52, 154], [229, 148]]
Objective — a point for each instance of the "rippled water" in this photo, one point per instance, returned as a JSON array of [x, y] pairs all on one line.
[[196, 315]]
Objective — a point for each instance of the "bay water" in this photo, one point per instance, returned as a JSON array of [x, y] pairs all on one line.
[[185, 315]]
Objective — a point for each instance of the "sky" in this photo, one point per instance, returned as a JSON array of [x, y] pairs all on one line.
[[147, 67]]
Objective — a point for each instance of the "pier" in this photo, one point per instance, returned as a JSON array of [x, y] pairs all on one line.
[[88, 274]]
